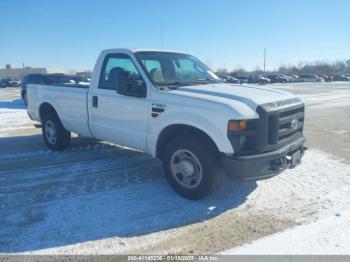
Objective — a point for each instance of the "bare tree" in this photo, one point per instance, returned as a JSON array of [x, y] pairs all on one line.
[[221, 72]]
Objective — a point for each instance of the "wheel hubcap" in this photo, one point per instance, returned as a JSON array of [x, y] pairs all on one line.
[[50, 132], [186, 168]]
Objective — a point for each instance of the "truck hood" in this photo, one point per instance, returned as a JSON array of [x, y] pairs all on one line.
[[250, 95]]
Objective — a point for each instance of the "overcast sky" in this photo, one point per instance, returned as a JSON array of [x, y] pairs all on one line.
[[222, 33]]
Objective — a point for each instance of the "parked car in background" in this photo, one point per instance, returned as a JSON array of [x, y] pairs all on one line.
[[58, 78], [262, 80], [326, 78], [63, 79], [231, 79], [341, 78], [310, 78], [258, 79], [4, 83], [277, 78], [81, 80], [51, 79], [14, 83], [243, 79], [294, 78], [289, 79], [30, 79]]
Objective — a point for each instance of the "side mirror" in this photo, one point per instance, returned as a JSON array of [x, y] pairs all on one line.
[[130, 87]]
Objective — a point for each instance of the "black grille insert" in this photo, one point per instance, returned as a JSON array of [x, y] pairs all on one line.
[[285, 124], [279, 125]]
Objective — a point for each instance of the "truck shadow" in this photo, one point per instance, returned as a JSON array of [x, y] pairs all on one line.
[[92, 192]]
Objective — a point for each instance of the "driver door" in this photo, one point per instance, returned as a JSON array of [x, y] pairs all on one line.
[[117, 118]]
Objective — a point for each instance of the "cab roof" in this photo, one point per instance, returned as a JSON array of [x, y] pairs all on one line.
[[127, 50]]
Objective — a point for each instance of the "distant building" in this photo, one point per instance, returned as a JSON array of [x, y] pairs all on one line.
[[18, 73]]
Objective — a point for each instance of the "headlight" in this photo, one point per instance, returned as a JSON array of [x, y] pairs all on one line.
[[236, 125], [242, 133], [241, 127]]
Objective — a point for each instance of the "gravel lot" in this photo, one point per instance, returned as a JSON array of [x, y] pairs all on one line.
[[96, 198]]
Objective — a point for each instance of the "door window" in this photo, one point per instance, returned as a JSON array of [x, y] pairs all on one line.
[[115, 65]]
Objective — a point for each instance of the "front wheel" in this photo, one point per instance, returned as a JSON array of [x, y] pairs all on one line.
[[192, 167], [55, 135]]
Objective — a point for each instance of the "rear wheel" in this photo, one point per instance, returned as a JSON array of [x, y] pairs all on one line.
[[192, 167], [55, 135]]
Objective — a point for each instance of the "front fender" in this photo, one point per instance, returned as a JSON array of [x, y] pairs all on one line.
[[215, 128]]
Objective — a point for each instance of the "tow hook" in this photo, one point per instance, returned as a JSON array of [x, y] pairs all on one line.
[[277, 164]]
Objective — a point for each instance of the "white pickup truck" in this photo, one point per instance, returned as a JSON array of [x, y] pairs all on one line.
[[175, 108]]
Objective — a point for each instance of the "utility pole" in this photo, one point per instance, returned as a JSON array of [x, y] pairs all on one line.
[[24, 70], [264, 60]]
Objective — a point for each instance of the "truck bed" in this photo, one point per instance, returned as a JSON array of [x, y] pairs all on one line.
[[69, 101]]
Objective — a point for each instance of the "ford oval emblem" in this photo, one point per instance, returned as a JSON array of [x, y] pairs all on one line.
[[294, 124]]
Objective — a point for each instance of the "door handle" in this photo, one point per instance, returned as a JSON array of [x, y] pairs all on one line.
[[95, 101]]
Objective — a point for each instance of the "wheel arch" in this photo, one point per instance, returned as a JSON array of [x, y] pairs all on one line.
[[176, 130], [45, 108]]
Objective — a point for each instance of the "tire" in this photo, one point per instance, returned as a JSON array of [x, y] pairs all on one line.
[[202, 178], [56, 137]]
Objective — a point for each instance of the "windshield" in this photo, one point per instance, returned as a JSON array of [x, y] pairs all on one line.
[[168, 69]]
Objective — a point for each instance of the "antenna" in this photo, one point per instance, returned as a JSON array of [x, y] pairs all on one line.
[[24, 70], [161, 36], [264, 60]]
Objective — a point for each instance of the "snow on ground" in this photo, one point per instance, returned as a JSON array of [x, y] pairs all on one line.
[[320, 95], [330, 235], [319, 86], [328, 100], [128, 206], [13, 113]]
